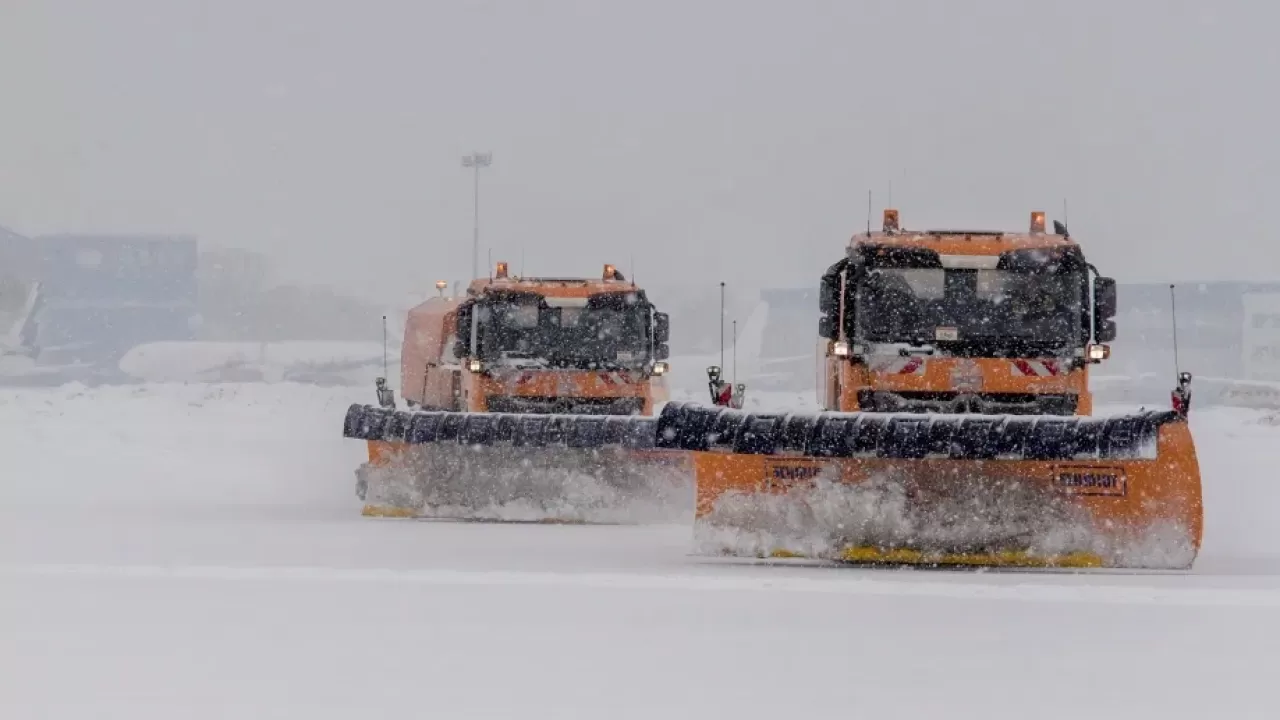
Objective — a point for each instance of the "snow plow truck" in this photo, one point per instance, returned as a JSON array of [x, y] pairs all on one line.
[[963, 459], [492, 377], [960, 428]]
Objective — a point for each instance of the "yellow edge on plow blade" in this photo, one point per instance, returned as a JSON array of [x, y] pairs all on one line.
[[1101, 492], [866, 555], [391, 511]]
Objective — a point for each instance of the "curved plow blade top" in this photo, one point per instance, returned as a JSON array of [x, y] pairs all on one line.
[[366, 422], [910, 436]]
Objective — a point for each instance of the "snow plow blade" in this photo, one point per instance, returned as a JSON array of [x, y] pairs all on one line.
[[976, 490], [517, 467]]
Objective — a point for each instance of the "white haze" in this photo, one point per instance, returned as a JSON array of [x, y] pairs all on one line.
[[697, 142]]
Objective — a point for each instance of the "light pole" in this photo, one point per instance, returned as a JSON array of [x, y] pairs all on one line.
[[476, 161]]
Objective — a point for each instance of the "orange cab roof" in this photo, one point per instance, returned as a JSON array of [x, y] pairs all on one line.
[[552, 287], [557, 287], [961, 242]]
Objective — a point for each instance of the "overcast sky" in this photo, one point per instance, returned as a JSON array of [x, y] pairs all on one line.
[[730, 140]]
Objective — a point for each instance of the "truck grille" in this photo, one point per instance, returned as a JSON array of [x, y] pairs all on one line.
[[564, 405], [954, 402]]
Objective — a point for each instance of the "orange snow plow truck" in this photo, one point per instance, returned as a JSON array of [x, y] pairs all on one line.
[[961, 428], [491, 377], [957, 427]]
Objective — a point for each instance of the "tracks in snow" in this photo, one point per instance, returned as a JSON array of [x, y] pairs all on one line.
[[854, 586]]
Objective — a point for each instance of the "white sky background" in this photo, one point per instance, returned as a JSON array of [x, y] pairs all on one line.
[[710, 140]]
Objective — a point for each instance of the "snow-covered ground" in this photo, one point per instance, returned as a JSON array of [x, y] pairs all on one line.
[[196, 551]]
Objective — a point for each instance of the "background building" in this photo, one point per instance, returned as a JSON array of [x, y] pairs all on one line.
[[83, 301]]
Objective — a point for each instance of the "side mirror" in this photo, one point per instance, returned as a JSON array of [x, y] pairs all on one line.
[[462, 347], [828, 299], [661, 327], [1104, 298], [826, 328], [661, 352], [1105, 331], [829, 306], [1181, 395], [386, 396]]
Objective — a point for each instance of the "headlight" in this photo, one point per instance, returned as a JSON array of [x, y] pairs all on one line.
[[474, 365], [660, 368], [841, 349], [1098, 353]]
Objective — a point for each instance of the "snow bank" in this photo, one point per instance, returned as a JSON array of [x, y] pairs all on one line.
[[324, 363], [179, 447], [1153, 389]]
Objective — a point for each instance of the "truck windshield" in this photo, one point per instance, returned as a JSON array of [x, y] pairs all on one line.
[[991, 308], [586, 333]]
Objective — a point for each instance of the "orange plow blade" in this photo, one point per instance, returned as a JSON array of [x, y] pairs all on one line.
[[978, 490], [509, 467]]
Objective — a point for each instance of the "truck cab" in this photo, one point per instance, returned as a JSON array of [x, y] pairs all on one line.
[[953, 321], [538, 345]]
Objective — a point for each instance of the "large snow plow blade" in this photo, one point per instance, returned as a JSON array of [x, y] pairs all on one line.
[[517, 467], [986, 490]]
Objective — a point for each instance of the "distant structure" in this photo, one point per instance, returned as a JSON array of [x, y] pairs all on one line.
[[1217, 336], [1261, 347], [790, 354], [83, 301], [1225, 329]]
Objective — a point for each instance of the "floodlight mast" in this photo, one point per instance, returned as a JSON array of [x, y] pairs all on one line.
[[476, 160]]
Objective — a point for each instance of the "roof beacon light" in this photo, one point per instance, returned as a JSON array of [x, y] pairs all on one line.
[[610, 272], [440, 286], [1037, 222], [501, 273], [890, 220]]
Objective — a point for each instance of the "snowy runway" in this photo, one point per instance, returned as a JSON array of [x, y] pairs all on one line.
[[197, 551], [704, 582]]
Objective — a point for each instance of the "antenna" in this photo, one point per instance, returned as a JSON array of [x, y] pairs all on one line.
[[868, 212], [1173, 303], [722, 323], [385, 373], [734, 373], [386, 396], [633, 270], [490, 251], [1064, 212]]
